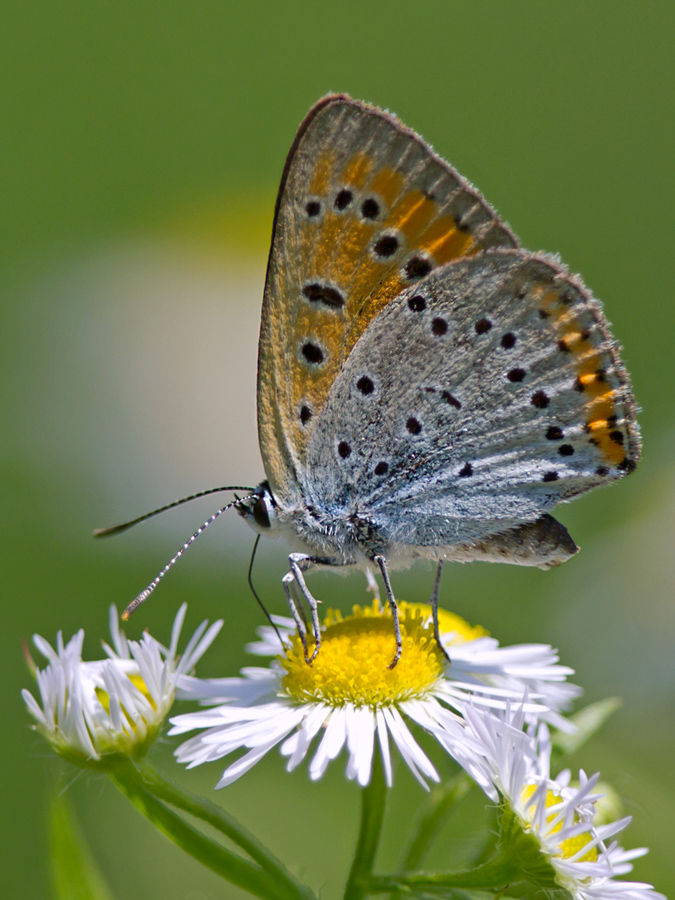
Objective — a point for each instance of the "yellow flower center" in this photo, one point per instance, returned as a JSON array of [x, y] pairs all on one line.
[[571, 846], [137, 681], [451, 624], [352, 664]]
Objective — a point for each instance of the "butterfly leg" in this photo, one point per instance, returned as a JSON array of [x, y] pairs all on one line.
[[300, 626], [381, 562], [299, 563], [433, 600], [373, 587]]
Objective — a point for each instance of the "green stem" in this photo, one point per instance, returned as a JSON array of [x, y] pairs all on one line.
[[223, 862], [491, 876], [215, 816], [373, 798], [441, 801]]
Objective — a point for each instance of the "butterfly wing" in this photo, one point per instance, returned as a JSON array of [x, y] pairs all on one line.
[[478, 399], [365, 209]]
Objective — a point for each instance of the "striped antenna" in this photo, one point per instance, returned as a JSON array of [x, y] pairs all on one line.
[[153, 584], [118, 529]]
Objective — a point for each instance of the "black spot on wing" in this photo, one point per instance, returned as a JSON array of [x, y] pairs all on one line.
[[417, 267], [323, 294], [312, 353], [370, 208], [386, 246], [342, 199], [417, 303]]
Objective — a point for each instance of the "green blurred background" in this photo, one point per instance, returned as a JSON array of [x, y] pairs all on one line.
[[143, 143]]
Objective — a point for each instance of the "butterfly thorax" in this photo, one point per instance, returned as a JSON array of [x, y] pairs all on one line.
[[344, 535]]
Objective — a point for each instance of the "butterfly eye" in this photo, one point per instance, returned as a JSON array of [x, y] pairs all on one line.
[[260, 514]]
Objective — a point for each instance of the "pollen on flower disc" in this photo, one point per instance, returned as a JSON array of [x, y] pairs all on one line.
[[352, 664]]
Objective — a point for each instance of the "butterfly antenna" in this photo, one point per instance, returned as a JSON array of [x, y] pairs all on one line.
[[118, 529], [255, 593], [153, 584]]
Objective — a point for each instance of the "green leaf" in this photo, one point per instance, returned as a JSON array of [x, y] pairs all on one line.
[[75, 875], [209, 853], [588, 721]]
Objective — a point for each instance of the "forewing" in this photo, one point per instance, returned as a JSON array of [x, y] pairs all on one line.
[[482, 396], [365, 209]]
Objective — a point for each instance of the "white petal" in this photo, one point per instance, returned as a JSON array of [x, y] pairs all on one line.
[[410, 751], [189, 660], [360, 741], [118, 638], [33, 706], [241, 766], [331, 743], [383, 737], [176, 630], [297, 745], [258, 683]]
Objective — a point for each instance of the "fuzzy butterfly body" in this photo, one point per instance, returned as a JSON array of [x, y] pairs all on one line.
[[425, 387]]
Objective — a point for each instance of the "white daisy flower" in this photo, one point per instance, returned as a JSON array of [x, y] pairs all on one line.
[[350, 698], [477, 659], [571, 841], [90, 710]]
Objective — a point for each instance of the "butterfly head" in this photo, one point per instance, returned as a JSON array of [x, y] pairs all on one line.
[[259, 510]]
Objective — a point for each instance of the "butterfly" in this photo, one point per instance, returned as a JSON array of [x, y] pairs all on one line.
[[426, 388]]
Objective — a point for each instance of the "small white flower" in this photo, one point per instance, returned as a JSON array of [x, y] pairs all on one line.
[[515, 764], [89, 710], [349, 698]]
